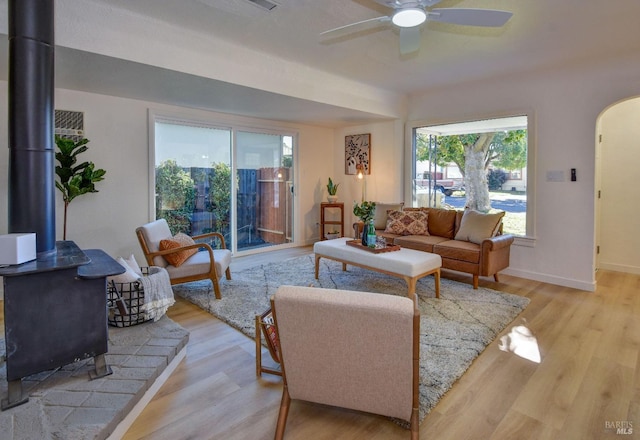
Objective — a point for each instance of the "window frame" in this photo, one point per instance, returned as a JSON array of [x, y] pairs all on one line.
[[233, 124], [529, 239]]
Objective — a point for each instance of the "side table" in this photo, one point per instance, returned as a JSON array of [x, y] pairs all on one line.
[[323, 218]]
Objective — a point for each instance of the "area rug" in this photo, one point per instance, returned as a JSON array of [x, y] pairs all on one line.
[[454, 329]]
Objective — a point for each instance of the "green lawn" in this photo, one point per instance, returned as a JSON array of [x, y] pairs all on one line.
[[515, 223]]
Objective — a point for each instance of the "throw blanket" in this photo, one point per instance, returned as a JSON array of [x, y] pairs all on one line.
[[158, 294]]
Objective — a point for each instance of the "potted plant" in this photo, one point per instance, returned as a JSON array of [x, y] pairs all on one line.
[[365, 212], [332, 188], [75, 180]]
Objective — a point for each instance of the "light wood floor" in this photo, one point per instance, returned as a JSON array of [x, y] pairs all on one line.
[[589, 375]]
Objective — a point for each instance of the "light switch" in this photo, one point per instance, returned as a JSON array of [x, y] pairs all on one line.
[[555, 176]]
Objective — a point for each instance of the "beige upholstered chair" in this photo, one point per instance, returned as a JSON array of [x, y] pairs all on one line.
[[208, 264], [354, 350]]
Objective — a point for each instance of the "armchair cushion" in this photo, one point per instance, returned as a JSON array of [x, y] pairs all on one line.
[[152, 233], [178, 258], [199, 263]]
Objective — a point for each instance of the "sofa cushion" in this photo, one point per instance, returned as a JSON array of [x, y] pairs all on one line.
[[178, 258], [407, 223], [388, 236], [458, 250], [442, 222], [418, 242], [380, 217], [476, 226]]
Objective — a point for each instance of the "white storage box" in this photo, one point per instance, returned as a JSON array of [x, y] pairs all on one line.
[[17, 248]]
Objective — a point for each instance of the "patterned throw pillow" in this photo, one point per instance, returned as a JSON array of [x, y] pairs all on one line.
[[178, 240], [382, 209], [407, 223]]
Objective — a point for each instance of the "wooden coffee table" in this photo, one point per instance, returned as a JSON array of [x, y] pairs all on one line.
[[409, 264]]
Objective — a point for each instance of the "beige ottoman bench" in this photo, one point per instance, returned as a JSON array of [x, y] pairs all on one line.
[[408, 264]]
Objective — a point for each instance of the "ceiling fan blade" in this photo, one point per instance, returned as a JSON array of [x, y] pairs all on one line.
[[397, 4], [409, 39], [354, 27], [470, 17]]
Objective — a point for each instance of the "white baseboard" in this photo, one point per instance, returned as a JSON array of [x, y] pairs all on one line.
[[620, 268], [126, 423], [589, 286]]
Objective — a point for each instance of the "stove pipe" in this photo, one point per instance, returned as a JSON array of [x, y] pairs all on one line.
[[31, 121]]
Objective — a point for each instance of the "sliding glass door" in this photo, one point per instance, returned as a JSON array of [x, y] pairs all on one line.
[[236, 182], [264, 199]]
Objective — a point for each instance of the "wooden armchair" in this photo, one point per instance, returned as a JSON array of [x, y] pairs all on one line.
[[208, 264], [354, 350]]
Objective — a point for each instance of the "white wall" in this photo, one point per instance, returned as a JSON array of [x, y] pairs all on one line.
[[100, 28], [565, 105], [384, 184], [620, 185], [118, 134]]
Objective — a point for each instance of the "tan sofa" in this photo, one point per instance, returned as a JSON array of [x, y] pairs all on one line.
[[473, 245]]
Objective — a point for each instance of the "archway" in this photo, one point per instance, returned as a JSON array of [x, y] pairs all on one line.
[[618, 187]]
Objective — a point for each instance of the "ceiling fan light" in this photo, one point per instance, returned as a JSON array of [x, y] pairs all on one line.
[[409, 17]]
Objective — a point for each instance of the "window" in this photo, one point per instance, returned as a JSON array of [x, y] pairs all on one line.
[[234, 181], [514, 175], [479, 164]]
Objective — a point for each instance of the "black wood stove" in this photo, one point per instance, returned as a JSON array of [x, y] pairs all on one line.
[[55, 311]]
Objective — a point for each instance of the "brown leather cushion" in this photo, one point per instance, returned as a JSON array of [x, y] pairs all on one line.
[[442, 222], [423, 243], [178, 258], [458, 250], [407, 223]]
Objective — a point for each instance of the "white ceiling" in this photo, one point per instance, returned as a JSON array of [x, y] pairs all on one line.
[[542, 34]]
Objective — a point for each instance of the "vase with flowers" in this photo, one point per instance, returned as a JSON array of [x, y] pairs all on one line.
[[365, 212]]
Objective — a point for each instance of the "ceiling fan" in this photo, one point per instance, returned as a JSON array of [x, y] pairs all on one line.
[[408, 15]]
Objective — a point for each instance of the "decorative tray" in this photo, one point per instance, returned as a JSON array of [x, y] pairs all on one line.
[[376, 250]]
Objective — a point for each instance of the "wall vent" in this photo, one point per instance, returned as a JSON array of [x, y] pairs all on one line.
[[69, 124], [265, 4]]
